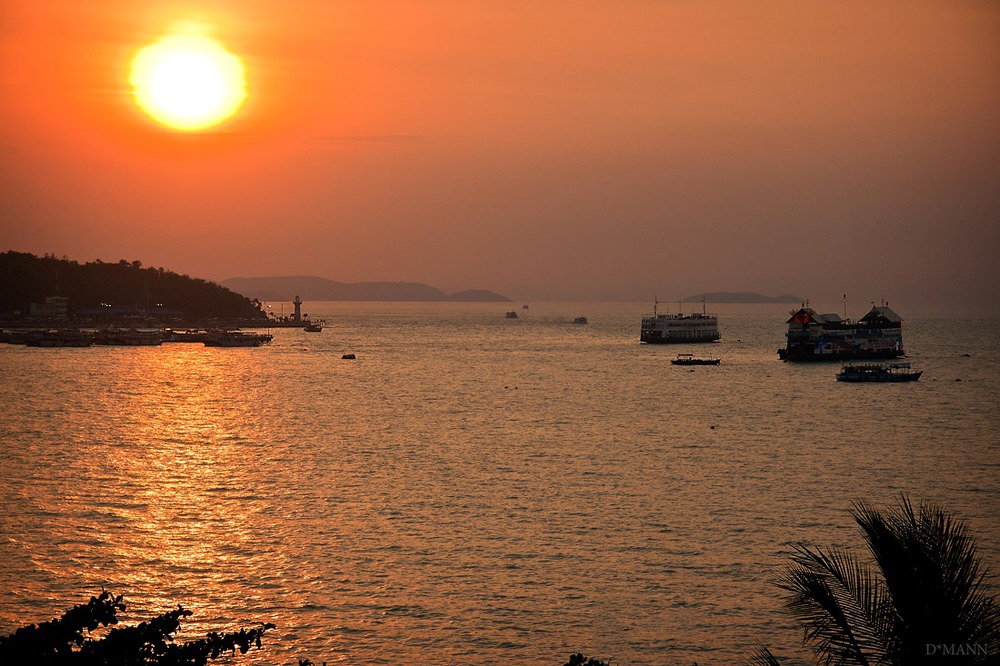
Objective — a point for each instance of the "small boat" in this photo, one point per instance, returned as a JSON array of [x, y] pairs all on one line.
[[236, 339], [580, 320], [129, 337], [313, 327], [188, 335], [511, 315], [62, 337], [878, 372], [691, 359]]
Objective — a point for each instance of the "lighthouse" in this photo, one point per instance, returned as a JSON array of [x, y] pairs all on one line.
[[298, 308]]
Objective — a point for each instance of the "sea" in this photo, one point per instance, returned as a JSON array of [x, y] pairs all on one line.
[[473, 489]]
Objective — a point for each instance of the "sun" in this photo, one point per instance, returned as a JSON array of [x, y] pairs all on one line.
[[188, 82]]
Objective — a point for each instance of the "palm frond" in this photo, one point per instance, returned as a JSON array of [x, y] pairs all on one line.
[[762, 657], [842, 604], [932, 574]]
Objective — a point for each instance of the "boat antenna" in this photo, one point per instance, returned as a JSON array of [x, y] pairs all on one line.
[[655, 302], [703, 304], [845, 306]]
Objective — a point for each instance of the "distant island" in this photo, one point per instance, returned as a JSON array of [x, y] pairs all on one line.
[[312, 288], [741, 297]]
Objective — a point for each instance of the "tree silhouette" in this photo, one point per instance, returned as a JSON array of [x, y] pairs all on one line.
[[68, 641], [927, 599]]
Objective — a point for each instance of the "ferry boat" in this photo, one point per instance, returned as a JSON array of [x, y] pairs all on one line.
[[670, 328], [813, 336], [878, 372]]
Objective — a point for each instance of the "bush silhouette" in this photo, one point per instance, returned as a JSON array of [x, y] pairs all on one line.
[[67, 641]]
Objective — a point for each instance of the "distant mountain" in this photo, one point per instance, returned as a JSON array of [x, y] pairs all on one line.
[[311, 288], [741, 297]]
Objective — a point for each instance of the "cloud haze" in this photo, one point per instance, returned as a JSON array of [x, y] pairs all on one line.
[[559, 150]]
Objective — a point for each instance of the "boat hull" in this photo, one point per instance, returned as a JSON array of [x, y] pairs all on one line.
[[910, 377], [812, 352], [674, 339], [878, 372]]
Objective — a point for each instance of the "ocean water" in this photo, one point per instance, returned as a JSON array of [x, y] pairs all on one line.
[[472, 489]]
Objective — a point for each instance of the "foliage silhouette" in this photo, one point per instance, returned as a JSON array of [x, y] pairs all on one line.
[[67, 641], [25, 278], [927, 598]]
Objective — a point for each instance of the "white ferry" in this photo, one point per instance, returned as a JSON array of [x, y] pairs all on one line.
[[670, 328]]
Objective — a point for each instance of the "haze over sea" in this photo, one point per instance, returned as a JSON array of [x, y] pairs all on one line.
[[472, 489]]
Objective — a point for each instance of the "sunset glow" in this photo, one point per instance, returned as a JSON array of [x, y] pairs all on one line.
[[188, 82], [444, 142]]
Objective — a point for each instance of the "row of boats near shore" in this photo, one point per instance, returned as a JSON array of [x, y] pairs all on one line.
[[811, 336], [132, 337]]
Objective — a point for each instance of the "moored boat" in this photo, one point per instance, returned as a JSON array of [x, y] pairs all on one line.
[[129, 337], [878, 372], [236, 339], [580, 320], [60, 337], [188, 335]]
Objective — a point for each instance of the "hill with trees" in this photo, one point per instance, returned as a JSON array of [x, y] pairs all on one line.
[[26, 279], [742, 297], [311, 288]]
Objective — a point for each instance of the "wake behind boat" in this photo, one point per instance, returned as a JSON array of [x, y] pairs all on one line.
[[878, 372]]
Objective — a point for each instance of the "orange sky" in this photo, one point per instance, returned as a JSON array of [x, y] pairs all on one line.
[[586, 150]]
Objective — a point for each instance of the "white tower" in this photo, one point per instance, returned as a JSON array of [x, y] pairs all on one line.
[[298, 308]]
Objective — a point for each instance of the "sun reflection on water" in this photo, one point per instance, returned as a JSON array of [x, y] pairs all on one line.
[[182, 456]]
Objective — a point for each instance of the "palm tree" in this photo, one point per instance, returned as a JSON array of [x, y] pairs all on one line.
[[927, 600]]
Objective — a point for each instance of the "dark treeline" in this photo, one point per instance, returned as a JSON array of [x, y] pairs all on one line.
[[26, 279]]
